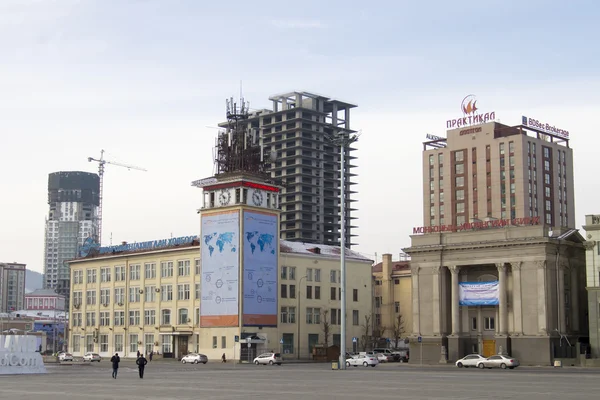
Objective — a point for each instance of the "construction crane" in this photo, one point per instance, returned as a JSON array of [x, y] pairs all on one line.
[[101, 162]]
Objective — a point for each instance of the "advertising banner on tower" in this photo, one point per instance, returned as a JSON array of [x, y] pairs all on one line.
[[261, 248], [220, 238], [478, 293]]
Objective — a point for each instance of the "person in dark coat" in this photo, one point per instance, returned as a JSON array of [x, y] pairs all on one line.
[[115, 360], [138, 354], [141, 363], [151, 353], [223, 358]]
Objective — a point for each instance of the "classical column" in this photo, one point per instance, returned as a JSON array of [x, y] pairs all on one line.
[[454, 270], [416, 322], [437, 315], [541, 291], [574, 299], [502, 309], [517, 303], [562, 326]]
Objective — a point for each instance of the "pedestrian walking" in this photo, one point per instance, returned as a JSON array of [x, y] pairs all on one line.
[[152, 352], [138, 354], [141, 363], [115, 360], [223, 358]]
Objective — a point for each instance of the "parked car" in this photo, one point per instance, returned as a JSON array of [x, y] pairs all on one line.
[[472, 360], [194, 358], [92, 357], [498, 361], [363, 360], [65, 357], [384, 357], [268, 358]]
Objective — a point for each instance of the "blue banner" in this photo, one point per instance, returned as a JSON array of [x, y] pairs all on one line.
[[479, 293]]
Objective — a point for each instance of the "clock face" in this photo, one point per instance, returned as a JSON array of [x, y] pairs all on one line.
[[224, 197], [257, 198]]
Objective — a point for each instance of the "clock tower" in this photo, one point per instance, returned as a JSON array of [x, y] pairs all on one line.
[[239, 244]]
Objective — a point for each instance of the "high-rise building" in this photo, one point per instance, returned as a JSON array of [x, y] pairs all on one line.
[[12, 287], [300, 130], [73, 198], [493, 171]]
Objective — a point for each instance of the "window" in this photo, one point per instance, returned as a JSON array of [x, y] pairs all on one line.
[[119, 273], [474, 323], [104, 296], [166, 292], [91, 276], [165, 317], [547, 178], [459, 155], [440, 158], [150, 270], [317, 292], [105, 274], [89, 343], [489, 323], [459, 169], [120, 295], [309, 274], [354, 294], [511, 147], [460, 220], [355, 317], [332, 294], [336, 317], [134, 272], [167, 344], [183, 292], [118, 343], [223, 342], [284, 291], [76, 320], [183, 268], [76, 343], [183, 316], [133, 343], [104, 343], [318, 275], [460, 181], [197, 295], [501, 148], [77, 298], [197, 266], [90, 319], [547, 192], [292, 291], [119, 318], [134, 317], [134, 294], [431, 159], [377, 302], [333, 276], [460, 194], [149, 342], [150, 294], [166, 269], [283, 315], [309, 292], [284, 272], [90, 297], [288, 315], [460, 208], [397, 307], [292, 273], [78, 277], [149, 317]]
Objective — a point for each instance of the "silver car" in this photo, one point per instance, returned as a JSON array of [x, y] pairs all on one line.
[[472, 360], [268, 358], [498, 361], [194, 358]]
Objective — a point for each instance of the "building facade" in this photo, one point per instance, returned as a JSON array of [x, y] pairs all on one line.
[[497, 266], [12, 287], [150, 301], [299, 130], [392, 300], [73, 199], [495, 171], [592, 246], [44, 300]]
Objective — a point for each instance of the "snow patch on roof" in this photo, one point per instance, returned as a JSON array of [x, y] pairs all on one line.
[[286, 246]]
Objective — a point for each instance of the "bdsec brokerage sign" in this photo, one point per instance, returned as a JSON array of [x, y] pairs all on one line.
[[544, 127], [18, 355]]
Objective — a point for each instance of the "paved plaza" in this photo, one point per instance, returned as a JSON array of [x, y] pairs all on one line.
[[170, 380]]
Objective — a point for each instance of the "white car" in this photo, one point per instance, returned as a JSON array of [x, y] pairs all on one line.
[[363, 360], [91, 357], [472, 360], [498, 361], [65, 357], [383, 357], [268, 358], [194, 358]]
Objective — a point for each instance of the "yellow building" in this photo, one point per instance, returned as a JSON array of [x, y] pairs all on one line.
[[392, 317], [146, 297]]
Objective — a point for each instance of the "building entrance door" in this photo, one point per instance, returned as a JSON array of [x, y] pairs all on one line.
[[489, 348], [182, 347]]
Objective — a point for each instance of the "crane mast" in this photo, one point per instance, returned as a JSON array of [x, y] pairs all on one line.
[[101, 163]]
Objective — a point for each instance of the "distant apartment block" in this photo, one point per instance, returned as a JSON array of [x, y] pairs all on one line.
[[12, 287]]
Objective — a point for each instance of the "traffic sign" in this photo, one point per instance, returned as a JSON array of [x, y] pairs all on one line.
[[420, 339], [354, 340], [236, 338], [281, 341]]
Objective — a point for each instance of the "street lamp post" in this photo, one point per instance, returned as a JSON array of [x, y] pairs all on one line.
[[343, 139], [298, 320]]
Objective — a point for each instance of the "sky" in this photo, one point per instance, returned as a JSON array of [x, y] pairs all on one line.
[[147, 82]]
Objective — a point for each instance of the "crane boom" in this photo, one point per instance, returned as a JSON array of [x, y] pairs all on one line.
[[101, 163]]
